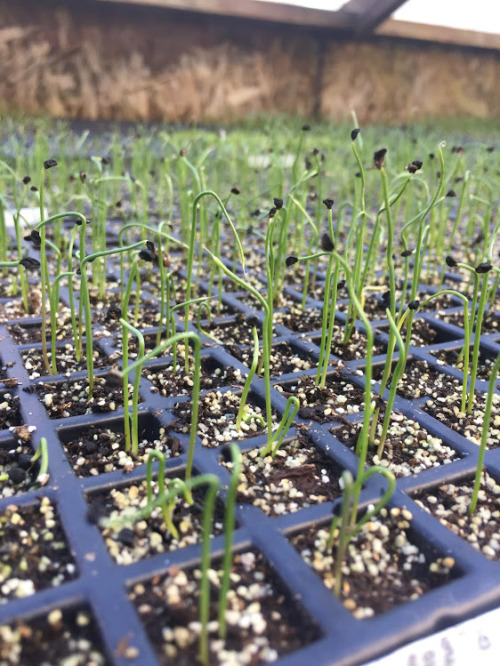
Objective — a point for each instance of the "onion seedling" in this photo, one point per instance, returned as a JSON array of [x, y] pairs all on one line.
[[479, 299], [229, 523], [290, 412], [138, 364], [18, 204], [346, 526], [41, 453], [495, 370], [85, 304], [164, 499], [197, 199]]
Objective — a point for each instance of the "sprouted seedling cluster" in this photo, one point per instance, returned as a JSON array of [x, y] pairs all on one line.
[[366, 223]]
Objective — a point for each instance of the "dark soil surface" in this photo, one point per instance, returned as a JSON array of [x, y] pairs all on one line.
[[25, 334], [447, 409], [452, 358], [354, 349], [34, 551], [383, 568], [420, 379], [284, 358], [70, 398], [408, 449], [217, 418], [422, 333], [298, 320], [300, 475], [57, 637], [263, 621], [491, 321], [98, 450], [450, 502], [238, 332], [128, 541], [169, 382], [339, 397], [65, 360], [10, 414], [15, 460]]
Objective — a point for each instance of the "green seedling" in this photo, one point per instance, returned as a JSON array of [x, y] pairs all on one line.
[[41, 453], [495, 370], [164, 499], [194, 216], [272, 440], [138, 364], [346, 526], [229, 523], [479, 300], [16, 216], [248, 382], [85, 304]]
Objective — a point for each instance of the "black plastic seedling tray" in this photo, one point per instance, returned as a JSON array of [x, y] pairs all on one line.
[[102, 586]]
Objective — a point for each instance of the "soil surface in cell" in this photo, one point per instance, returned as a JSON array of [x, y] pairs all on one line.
[[382, 568], [97, 450], [337, 398], [217, 418], [453, 357], [263, 621], [408, 449], [16, 461], [34, 551], [61, 636], [490, 324], [129, 540], [299, 476], [71, 398], [284, 359], [171, 382], [450, 504], [10, 414], [66, 360]]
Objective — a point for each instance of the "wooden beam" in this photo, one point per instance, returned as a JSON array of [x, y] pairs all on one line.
[[253, 9], [366, 15], [439, 34]]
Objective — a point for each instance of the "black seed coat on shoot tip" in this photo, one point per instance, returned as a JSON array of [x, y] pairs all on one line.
[[386, 299], [290, 261], [379, 157], [414, 166], [355, 133], [329, 203], [451, 262], [147, 255], [327, 243], [48, 164], [278, 203], [484, 267], [30, 264], [35, 238], [413, 305]]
